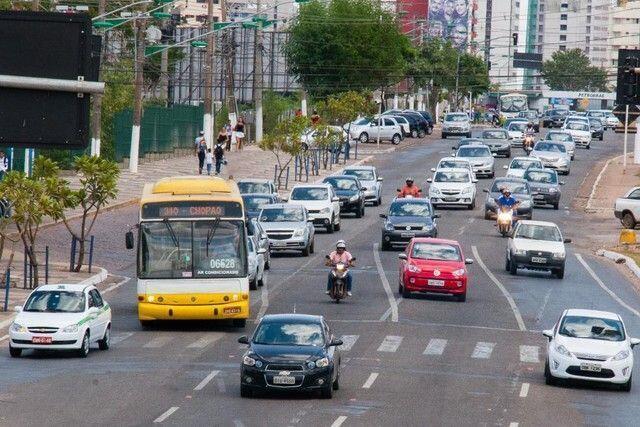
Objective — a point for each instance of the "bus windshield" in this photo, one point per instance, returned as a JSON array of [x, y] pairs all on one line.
[[192, 249]]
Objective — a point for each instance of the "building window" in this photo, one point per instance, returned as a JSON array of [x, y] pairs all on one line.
[[541, 38], [540, 28], [541, 8], [562, 47], [563, 27], [563, 17], [563, 38]]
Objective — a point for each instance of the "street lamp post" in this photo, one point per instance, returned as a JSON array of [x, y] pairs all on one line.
[[208, 87], [140, 25], [257, 74]]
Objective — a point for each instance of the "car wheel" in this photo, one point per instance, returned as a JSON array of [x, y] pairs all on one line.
[[364, 137], [588, 147], [83, 351], [379, 200], [385, 246], [337, 226], [15, 352], [359, 212], [245, 391], [422, 134], [628, 220], [395, 140], [399, 288], [253, 286], [507, 265], [560, 273], [461, 297], [472, 206], [548, 378], [601, 137], [513, 268], [305, 251], [239, 323], [105, 342], [146, 324], [405, 293], [444, 135], [327, 392], [492, 174], [312, 247], [556, 206], [336, 383], [508, 156], [469, 135], [572, 157], [414, 133], [330, 226], [626, 386]]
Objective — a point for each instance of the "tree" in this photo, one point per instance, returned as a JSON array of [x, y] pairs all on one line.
[[285, 142], [118, 96], [274, 107], [571, 70], [346, 44]]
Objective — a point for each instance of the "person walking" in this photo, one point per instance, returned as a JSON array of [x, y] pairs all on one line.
[[228, 130], [201, 151], [208, 159], [239, 133], [4, 164], [218, 154], [315, 118]]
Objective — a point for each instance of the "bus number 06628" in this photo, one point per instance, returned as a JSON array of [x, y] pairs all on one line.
[[223, 263]]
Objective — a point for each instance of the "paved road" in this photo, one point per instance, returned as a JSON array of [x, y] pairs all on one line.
[[419, 361]]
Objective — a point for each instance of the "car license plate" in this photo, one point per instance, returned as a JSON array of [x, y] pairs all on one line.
[[284, 380], [232, 310], [407, 234], [539, 196], [538, 260], [438, 283], [41, 340], [278, 244], [450, 199], [590, 367]]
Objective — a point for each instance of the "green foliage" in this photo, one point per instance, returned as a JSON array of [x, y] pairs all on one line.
[[118, 96], [284, 141], [346, 44], [345, 107], [152, 71], [274, 106], [572, 70]]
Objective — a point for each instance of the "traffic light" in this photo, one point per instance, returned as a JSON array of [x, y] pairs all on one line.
[[628, 90], [515, 39]]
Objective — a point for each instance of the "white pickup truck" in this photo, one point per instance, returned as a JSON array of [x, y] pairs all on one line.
[[627, 208]]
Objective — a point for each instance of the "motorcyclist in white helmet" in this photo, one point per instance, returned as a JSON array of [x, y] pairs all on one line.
[[337, 256]]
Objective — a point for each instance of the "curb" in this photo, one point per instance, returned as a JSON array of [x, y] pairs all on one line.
[[588, 207], [620, 259]]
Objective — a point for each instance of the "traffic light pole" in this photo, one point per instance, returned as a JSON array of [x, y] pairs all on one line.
[[626, 135]]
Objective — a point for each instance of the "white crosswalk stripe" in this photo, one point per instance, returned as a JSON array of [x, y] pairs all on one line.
[[529, 353], [483, 350], [158, 342], [435, 347], [118, 338], [206, 340], [348, 341], [390, 344]]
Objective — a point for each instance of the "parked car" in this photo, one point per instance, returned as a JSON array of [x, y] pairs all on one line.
[[417, 125], [536, 245], [456, 124], [322, 203], [255, 264], [260, 238], [429, 119], [553, 155], [480, 157], [545, 186], [288, 228], [453, 187], [627, 208], [406, 219], [498, 141], [563, 137], [257, 186], [434, 266], [580, 132], [367, 130], [350, 193], [519, 165], [589, 345], [310, 136], [553, 118], [597, 129], [253, 203], [424, 127], [403, 122], [369, 179], [532, 117], [291, 352], [519, 189]]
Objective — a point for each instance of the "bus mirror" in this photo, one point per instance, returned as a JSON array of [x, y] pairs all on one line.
[[129, 239]]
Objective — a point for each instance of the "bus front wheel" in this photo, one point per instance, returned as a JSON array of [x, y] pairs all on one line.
[[239, 323]]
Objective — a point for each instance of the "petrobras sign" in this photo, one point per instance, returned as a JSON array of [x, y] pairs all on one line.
[[610, 96]]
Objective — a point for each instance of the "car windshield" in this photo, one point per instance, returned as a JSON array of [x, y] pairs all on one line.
[[435, 251], [560, 137], [298, 334], [474, 152], [592, 328], [363, 121], [542, 177], [254, 187], [410, 209], [56, 302], [495, 134], [524, 164], [361, 174], [309, 193], [452, 177], [453, 164], [595, 122], [255, 203], [596, 114], [456, 118], [342, 184], [284, 214], [514, 187], [578, 126], [546, 146], [518, 126], [192, 249], [529, 114], [548, 233], [469, 142]]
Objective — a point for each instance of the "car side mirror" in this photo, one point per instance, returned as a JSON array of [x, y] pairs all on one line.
[[335, 342], [380, 179], [264, 236], [485, 190], [561, 182], [433, 169], [17, 308], [548, 333], [505, 167], [335, 199], [128, 240], [429, 180], [383, 216], [494, 154], [435, 216], [468, 261], [262, 251], [474, 180], [453, 154], [402, 256], [243, 340], [634, 342], [567, 240], [363, 188]]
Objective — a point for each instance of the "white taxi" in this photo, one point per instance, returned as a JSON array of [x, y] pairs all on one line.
[[61, 317]]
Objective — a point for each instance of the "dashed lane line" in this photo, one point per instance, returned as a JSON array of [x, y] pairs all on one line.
[[4, 337], [390, 344], [505, 292], [166, 414], [117, 285], [524, 390], [605, 288], [369, 382], [338, 422], [513, 425], [264, 303], [202, 384], [158, 342], [206, 340], [117, 339], [483, 350], [348, 341], [435, 347], [385, 283]]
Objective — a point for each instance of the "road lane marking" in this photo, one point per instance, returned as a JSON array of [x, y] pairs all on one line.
[[505, 292], [544, 305], [390, 344], [513, 425], [157, 342], [166, 415], [385, 283], [4, 337], [605, 288], [238, 423], [206, 380], [529, 354], [338, 422], [369, 382], [117, 285], [120, 337], [524, 390], [435, 347], [483, 350], [387, 313], [264, 303], [348, 341], [205, 341]]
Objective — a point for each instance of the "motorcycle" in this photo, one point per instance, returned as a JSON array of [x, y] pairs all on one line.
[[339, 271], [504, 220], [407, 196], [528, 142]]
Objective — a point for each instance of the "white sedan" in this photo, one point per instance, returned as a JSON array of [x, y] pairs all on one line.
[[256, 261], [61, 317], [590, 345]]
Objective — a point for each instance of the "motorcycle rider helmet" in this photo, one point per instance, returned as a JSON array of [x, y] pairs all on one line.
[[409, 180], [506, 192], [341, 244]]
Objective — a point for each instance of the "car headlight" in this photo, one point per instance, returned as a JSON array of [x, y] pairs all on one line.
[[434, 190], [354, 198], [427, 227], [250, 361], [558, 255], [321, 363], [623, 354], [563, 351], [388, 226], [16, 327], [491, 201], [563, 161], [413, 268], [525, 204], [299, 232], [325, 210], [459, 273], [553, 190], [70, 328], [520, 252], [467, 190], [311, 365]]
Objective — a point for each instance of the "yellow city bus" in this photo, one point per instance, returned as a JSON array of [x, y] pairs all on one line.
[[192, 254]]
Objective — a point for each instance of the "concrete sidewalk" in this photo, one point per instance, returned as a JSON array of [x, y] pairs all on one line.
[[610, 183]]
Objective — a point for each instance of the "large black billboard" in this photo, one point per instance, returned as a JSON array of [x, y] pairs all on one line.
[[47, 45]]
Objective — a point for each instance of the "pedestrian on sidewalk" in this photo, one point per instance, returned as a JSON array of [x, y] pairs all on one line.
[[222, 137], [315, 118], [299, 112], [4, 164], [238, 133], [201, 150], [208, 159], [229, 131], [218, 154]]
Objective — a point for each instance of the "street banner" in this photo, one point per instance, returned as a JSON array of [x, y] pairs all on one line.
[[449, 19]]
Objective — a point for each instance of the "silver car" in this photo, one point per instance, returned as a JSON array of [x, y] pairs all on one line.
[[553, 155], [481, 159], [258, 186], [370, 181], [456, 124], [288, 227], [256, 263]]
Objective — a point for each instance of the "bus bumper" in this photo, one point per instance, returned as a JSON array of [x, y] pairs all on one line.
[[231, 310]]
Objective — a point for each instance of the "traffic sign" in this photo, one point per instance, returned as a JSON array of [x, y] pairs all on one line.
[[628, 83], [619, 112]]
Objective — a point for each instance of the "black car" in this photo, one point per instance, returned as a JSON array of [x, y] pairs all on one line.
[[350, 193], [467, 141], [408, 218], [545, 186], [254, 202], [553, 118], [291, 352], [429, 119], [532, 116], [498, 141], [597, 129], [417, 125], [520, 190]]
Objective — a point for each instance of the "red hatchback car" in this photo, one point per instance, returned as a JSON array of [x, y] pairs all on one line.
[[433, 265]]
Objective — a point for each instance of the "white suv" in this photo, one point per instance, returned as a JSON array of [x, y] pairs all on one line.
[[322, 203], [453, 187], [536, 245]]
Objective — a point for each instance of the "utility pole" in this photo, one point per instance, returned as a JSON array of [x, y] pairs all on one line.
[[35, 5], [164, 67], [257, 74], [140, 26], [229, 52], [96, 117], [208, 72]]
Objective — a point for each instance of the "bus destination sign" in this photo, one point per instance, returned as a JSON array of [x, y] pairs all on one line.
[[195, 209]]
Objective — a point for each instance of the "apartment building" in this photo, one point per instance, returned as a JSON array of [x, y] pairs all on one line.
[[624, 31]]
